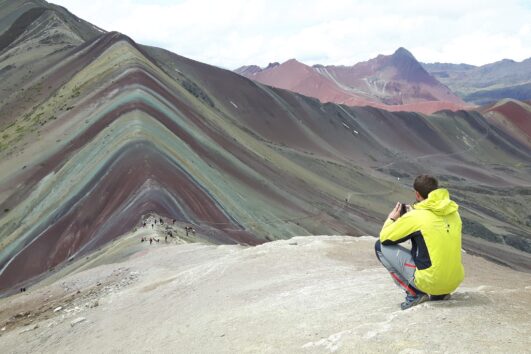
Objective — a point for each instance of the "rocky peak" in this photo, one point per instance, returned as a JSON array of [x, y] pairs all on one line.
[[403, 53], [248, 70], [272, 65], [409, 68]]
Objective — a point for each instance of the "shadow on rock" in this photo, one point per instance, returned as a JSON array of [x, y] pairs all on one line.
[[463, 299]]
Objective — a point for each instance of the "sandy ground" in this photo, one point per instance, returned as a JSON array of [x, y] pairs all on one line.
[[304, 295]]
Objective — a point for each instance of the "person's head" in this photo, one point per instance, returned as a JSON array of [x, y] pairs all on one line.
[[423, 185]]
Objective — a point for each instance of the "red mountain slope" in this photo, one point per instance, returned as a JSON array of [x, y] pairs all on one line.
[[394, 82]]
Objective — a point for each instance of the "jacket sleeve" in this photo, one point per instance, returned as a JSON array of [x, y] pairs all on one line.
[[401, 230]]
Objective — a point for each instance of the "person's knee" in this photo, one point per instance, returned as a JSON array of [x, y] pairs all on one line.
[[378, 249]]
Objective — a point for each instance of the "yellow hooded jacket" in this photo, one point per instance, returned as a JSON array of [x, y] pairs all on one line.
[[434, 228]]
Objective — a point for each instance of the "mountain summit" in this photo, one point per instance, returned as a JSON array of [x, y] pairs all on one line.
[[401, 51], [408, 68]]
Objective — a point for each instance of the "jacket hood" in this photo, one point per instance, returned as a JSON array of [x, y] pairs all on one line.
[[438, 202]]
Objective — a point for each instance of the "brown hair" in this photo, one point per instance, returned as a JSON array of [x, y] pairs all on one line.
[[424, 184]]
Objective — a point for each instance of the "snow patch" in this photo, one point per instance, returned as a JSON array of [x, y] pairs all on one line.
[[98, 29]]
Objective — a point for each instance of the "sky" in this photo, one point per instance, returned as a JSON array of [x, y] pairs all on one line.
[[232, 33]]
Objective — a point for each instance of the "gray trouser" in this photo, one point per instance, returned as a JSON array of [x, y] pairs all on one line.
[[399, 263]]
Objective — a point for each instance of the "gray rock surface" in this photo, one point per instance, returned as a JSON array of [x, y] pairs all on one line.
[[314, 294]]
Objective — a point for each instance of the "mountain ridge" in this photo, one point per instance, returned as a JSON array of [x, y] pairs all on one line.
[[487, 83], [394, 82], [475, 85]]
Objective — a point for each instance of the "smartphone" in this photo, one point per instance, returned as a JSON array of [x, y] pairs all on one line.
[[403, 208]]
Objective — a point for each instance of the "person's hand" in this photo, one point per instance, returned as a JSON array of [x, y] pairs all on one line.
[[395, 213]]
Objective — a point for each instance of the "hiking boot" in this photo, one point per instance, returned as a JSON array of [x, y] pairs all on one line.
[[439, 297], [413, 300]]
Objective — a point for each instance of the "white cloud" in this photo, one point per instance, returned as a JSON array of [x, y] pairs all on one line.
[[238, 32]]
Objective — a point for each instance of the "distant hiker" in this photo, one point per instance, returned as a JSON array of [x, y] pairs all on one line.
[[150, 240], [187, 229], [173, 221], [144, 224], [161, 221], [166, 239], [142, 239], [432, 269], [152, 226]]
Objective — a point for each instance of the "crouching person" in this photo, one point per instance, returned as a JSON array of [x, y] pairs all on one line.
[[432, 269]]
